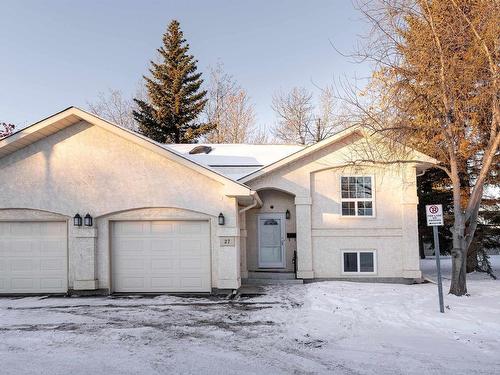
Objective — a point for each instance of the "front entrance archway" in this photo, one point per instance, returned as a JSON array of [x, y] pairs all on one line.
[[271, 233]]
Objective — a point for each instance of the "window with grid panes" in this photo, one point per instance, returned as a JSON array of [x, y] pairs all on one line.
[[356, 195]]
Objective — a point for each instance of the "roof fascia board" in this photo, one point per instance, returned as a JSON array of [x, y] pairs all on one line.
[[419, 157], [35, 127], [300, 154]]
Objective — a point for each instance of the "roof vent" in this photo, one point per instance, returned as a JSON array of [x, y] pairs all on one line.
[[200, 150]]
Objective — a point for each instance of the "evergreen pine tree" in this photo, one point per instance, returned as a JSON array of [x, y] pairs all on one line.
[[434, 187], [175, 98]]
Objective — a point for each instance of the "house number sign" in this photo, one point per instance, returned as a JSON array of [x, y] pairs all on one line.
[[227, 241]]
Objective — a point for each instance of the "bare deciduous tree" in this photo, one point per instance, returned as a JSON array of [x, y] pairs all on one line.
[[113, 106], [6, 129], [436, 87], [327, 121], [229, 109], [297, 121], [294, 111], [238, 118]]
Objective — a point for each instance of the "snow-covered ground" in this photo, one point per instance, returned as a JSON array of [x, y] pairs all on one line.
[[328, 327]]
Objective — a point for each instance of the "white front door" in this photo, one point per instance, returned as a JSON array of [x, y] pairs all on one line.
[[271, 240]]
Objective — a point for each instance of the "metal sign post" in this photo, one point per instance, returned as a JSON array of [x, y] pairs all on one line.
[[434, 214]]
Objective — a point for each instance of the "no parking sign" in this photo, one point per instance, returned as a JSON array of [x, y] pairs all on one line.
[[434, 214]]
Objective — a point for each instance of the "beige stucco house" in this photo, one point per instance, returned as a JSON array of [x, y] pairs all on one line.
[[195, 218]]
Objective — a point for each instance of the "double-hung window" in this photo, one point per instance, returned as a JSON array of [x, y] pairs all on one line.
[[357, 195], [362, 262]]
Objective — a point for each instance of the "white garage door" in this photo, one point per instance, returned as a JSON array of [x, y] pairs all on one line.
[[33, 257], [161, 256]]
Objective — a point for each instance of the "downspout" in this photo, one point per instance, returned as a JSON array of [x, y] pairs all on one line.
[[421, 173], [256, 202]]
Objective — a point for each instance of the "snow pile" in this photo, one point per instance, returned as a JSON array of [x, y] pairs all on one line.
[[324, 328]]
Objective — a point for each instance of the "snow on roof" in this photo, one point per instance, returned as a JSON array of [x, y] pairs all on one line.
[[236, 160], [236, 154]]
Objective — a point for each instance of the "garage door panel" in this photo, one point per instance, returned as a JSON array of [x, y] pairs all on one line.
[[160, 265], [51, 284], [191, 228], [33, 257], [132, 283], [129, 228], [130, 245], [21, 229], [161, 283], [174, 254], [20, 248], [162, 228], [52, 247], [193, 247], [192, 282], [27, 283], [52, 265], [191, 263], [163, 246], [129, 265], [52, 229], [23, 265]]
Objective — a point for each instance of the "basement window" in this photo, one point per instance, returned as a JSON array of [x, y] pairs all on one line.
[[356, 196], [358, 262]]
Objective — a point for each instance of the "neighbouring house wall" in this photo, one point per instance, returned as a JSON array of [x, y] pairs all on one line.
[[84, 168], [322, 233], [280, 202]]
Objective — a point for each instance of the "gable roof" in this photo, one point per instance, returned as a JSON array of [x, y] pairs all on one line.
[[337, 137], [73, 115]]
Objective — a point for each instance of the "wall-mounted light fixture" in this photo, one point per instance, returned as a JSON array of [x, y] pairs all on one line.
[[77, 220], [287, 214], [87, 220], [221, 219]]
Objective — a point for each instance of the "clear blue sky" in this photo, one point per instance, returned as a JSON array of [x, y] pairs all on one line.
[[60, 53]]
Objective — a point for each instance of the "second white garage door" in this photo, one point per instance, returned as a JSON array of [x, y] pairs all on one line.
[[161, 256]]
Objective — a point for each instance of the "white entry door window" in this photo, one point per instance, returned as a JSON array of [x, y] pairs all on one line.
[[271, 240]]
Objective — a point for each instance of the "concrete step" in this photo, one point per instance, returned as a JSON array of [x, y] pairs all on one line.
[[271, 275], [250, 291], [271, 281]]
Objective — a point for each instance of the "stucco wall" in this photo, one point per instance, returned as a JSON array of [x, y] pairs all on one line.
[[85, 168], [280, 202], [323, 233]]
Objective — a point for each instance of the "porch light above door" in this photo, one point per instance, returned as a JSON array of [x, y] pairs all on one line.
[[287, 214], [221, 219]]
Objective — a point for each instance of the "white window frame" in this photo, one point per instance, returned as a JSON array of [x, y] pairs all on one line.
[[372, 199], [358, 252]]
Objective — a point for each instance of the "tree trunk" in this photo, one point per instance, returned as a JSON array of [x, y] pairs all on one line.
[[458, 285]]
